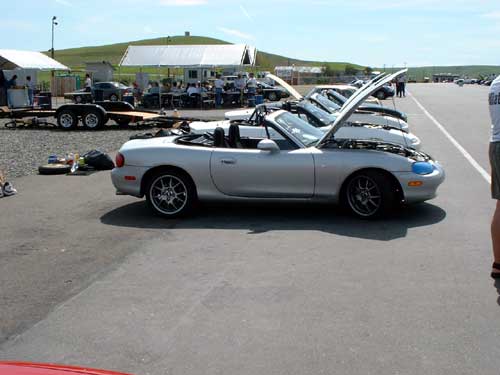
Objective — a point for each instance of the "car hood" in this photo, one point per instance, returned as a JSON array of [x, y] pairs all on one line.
[[286, 86], [352, 104]]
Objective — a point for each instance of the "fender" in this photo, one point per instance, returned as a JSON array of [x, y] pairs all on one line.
[[81, 109]]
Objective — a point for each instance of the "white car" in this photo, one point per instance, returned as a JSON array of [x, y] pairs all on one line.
[[315, 117]]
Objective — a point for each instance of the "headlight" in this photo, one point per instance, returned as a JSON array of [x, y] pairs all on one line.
[[422, 167]]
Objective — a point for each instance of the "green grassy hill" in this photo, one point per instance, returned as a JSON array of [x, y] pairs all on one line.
[[471, 71], [76, 57]]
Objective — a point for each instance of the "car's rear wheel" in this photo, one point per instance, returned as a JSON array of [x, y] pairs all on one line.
[[170, 194], [369, 194], [93, 120]]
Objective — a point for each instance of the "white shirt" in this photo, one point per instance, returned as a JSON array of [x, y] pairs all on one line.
[[219, 84], [193, 90], [494, 102], [240, 83], [88, 82], [252, 82]]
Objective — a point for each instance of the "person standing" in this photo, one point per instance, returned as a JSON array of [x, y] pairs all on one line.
[[252, 90], [11, 83], [3, 89], [219, 87], [239, 85], [494, 154], [400, 86], [88, 83], [31, 90]]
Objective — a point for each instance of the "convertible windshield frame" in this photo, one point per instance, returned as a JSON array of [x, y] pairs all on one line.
[[324, 117], [325, 102]]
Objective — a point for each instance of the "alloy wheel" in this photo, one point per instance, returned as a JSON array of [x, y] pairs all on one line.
[[364, 196], [169, 195]]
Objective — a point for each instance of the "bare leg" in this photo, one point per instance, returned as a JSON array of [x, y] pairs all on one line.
[[495, 234]]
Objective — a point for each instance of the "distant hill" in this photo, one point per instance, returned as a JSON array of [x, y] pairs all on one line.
[[76, 57]]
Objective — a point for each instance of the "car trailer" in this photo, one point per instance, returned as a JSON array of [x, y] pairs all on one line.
[[93, 116]]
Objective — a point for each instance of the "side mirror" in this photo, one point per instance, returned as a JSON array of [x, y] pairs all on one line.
[[268, 145]]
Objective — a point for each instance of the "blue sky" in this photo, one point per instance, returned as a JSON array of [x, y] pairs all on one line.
[[367, 32]]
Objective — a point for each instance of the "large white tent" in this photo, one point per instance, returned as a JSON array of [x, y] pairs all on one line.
[[190, 56], [14, 59]]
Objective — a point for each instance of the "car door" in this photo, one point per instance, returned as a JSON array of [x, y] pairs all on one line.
[[254, 173]]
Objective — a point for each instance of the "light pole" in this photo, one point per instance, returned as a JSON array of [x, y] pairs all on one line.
[[54, 23]]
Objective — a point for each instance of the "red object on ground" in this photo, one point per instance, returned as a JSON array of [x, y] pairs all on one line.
[[27, 368]]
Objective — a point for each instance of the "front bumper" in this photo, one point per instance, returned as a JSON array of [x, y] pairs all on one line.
[[126, 186], [427, 190]]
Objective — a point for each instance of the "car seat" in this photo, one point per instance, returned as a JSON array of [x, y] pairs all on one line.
[[234, 136], [219, 140]]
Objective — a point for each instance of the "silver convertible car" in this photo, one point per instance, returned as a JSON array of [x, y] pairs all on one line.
[[368, 177]]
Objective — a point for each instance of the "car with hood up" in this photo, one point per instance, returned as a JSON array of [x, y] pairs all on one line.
[[316, 117], [323, 102], [369, 178], [340, 100]]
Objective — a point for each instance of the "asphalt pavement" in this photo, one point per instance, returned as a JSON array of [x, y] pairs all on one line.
[[90, 278]]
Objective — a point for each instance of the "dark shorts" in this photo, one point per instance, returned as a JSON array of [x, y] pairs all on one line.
[[495, 169]]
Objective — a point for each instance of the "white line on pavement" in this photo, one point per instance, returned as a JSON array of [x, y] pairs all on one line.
[[460, 148]]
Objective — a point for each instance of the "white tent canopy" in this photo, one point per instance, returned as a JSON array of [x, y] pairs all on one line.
[[190, 56], [13, 59]]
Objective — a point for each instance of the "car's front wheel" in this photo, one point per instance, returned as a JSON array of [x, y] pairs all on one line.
[[170, 194], [369, 194], [272, 96]]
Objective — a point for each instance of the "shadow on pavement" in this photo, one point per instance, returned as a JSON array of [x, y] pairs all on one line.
[[261, 218]]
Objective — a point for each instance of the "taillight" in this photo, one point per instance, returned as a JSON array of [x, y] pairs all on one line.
[[119, 160]]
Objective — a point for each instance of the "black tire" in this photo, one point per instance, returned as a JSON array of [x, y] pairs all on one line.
[[52, 169], [93, 119], [182, 194], [369, 195], [67, 119], [380, 95], [78, 99], [113, 97], [272, 96]]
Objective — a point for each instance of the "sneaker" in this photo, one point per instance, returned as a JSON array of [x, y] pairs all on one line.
[[8, 189]]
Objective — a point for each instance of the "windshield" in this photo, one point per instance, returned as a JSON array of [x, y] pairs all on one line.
[[307, 134], [327, 103], [336, 97], [325, 117]]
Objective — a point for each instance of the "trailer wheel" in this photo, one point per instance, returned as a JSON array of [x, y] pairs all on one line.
[[93, 119], [67, 119]]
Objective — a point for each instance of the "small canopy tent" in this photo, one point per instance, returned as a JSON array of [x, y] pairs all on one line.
[[190, 56], [23, 64], [13, 59]]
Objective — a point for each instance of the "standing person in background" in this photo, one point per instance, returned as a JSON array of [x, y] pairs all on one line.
[[3, 90], [252, 89], [219, 87], [31, 90], [88, 83], [401, 85], [239, 85], [494, 153], [11, 83]]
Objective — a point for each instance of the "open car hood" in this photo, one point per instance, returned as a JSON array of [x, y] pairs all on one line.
[[351, 105], [286, 86]]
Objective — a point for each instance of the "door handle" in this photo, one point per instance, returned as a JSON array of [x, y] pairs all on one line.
[[228, 161]]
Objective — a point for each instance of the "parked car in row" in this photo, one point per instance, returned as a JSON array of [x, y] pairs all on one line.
[[112, 91], [340, 100]]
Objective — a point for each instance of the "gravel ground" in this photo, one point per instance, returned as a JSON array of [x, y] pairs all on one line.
[[23, 150]]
